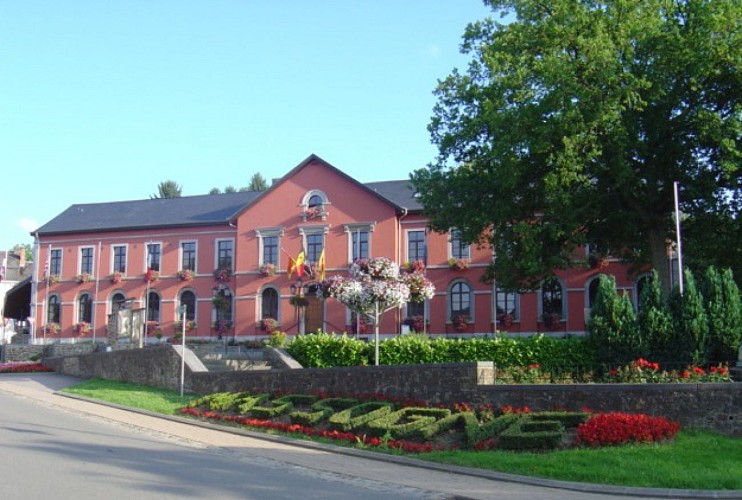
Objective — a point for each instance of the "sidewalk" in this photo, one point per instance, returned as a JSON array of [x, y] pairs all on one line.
[[459, 482]]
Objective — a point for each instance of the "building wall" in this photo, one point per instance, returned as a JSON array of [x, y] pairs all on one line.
[[281, 208]]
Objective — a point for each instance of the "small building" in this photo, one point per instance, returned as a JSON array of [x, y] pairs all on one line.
[[223, 258]]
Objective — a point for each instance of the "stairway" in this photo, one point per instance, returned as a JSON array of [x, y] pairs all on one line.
[[220, 358]]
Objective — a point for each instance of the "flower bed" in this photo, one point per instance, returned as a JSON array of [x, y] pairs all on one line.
[[24, 367], [414, 427]]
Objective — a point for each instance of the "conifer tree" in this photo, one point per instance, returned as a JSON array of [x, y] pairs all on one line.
[[724, 313], [655, 322], [691, 323], [613, 328]]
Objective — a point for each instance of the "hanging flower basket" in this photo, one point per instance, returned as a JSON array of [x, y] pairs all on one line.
[[222, 274], [416, 323], [268, 325], [458, 264], [82, 328], [52, 328], [83, 278], [598, 261], [54, 278], [460, 322], [116, 278], [268, 269], [220, 302], [151, 276], [222, 326], [505, 320], [552, 320], [185, 275]]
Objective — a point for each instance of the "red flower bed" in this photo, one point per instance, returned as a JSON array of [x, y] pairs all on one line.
[[23, 368], [605, 429]]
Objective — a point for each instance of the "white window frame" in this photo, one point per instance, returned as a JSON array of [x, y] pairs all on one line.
[[267, 232], [351, 229]]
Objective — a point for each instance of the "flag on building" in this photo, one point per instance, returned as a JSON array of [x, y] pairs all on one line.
[[299, 264], [47, 263], [321, 266], [292, 266]]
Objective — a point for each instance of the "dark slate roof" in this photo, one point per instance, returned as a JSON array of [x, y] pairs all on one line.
[[186, 210], [398, 192], [148, 214]]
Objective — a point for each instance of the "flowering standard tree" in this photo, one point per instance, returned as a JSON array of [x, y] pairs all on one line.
[[375, 286]]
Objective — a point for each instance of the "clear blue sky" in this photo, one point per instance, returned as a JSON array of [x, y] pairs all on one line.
[[102, 100]]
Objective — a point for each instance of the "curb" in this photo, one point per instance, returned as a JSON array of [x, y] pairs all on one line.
[[413, 462]]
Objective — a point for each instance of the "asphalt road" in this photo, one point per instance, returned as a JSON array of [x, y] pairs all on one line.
[[57, 447]]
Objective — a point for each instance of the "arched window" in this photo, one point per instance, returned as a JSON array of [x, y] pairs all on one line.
[[552, 298], [315, 201], [153, 307], [269, 304], [85, 308], [117, 302], [188, 299], [222, 305], [460, 300], [54, 312]]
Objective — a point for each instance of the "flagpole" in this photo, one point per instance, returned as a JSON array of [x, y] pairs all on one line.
[[677, 236], [47, 270], [97, 290]]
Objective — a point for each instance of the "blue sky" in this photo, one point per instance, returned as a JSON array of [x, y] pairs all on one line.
[[102, 100]]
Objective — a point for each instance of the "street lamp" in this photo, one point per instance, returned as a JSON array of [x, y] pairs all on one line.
[[182, 310], [297, 291]]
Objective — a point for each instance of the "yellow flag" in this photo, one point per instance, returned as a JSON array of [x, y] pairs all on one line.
[[292, 266], [299, 264], [321, 265]]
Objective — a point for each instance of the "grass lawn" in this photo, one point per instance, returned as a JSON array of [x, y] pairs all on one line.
[[694, 460]]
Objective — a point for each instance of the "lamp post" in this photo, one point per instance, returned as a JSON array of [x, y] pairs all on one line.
[[182, 310], [297, 290]]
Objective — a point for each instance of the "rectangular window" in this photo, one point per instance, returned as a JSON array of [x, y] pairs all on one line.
[[459, 249], [153, 256], [119, 259], [315, 243], [188, 255], [86, 260], [270, 250], [55, 262], [416, 246], [506, 303], [224, 254], [360, 244]]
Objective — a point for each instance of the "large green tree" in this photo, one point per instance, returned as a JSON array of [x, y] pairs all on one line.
[[573, 121]]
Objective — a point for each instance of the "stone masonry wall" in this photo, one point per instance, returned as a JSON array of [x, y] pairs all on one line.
[[715, 406]]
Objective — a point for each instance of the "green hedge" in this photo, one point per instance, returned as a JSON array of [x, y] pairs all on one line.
[[556, 356], [526, 434], [358, 416], [406, 422]]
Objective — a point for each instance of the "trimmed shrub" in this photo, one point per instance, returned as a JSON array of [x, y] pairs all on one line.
[[528, 435], [321, 410], [724, 312], [613, 328], [655, 323], [567, 418], [691, 323], [358, 416], [403, 423], [492, 429], [323, 350]]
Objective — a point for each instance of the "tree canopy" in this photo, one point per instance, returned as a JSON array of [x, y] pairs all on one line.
[[572, 122], [167, 189]]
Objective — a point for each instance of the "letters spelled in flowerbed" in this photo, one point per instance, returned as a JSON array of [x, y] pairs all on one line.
[[414, 427]]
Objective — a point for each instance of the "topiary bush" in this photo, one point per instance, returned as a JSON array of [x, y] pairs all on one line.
[[614, 332]]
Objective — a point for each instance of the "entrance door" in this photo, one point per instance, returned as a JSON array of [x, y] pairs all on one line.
[[314, 312]]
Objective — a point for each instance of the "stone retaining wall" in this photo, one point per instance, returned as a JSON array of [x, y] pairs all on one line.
[[714, 406]]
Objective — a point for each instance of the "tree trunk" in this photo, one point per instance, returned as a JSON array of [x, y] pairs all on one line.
[[658, 258]]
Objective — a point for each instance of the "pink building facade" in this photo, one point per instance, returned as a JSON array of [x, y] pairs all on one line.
[[223, 259]]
